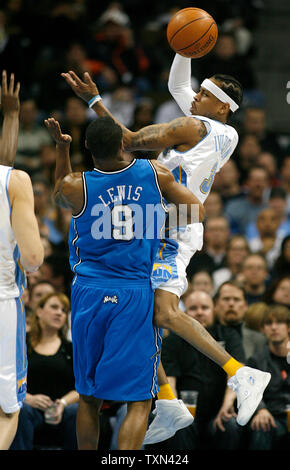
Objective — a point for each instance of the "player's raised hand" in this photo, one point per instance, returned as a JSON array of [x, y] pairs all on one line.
[[9, 95], [85, 89], [55, 132]]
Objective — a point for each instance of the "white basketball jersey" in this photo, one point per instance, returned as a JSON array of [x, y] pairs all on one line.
[[12, 276], [196, 169]]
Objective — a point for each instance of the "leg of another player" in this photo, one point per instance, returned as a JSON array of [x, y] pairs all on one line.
[[88, 426], [165, 389], [133, 428], [8, 428], [168, 315]]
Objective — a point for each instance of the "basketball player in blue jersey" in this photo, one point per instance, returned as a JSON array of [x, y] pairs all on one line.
[[194, 148], [118, 216], [20, 250]]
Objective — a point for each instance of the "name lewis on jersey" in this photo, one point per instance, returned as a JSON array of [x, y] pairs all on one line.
[[120, 193]]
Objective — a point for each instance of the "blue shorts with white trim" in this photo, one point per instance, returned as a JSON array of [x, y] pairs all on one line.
[[116, 348]]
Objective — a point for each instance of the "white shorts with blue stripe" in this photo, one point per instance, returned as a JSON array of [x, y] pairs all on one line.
[[13, 358]]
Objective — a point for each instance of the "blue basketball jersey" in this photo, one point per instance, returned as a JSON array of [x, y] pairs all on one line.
[[117, 233]]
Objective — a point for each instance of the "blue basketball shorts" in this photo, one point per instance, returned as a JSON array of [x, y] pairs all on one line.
[[116, 347]]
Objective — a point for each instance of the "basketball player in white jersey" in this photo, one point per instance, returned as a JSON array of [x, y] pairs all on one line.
[[20, 250], [197, 146]]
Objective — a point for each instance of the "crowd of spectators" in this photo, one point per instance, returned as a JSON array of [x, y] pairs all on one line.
[[247, 226]]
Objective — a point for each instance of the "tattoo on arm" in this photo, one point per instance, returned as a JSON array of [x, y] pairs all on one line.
[[156, 136], [202, 130]]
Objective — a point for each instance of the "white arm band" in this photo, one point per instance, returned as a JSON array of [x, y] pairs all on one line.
[[179, 83]]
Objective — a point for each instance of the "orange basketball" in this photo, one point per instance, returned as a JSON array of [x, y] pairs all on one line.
[[192, 32]]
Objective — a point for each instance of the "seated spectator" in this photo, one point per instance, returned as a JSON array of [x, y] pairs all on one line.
[[56, 269], [268, 427], [32, 137], [285, 180], [279, 291], [254, 277], [254, 315], [230, 309], [268, 242], [243, 210], [202, 281], [39, 290], [188, 369], [227, 182], [212, 257], [74, 123], [277, 202], [237, 250], [246, 155], [225, 57], [255, 123], [45, 210], [213, 205], [50, 380], [268, 161], [282, 264]]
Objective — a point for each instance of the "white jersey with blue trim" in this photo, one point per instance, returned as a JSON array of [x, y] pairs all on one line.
[[12, 277], [196, 169]]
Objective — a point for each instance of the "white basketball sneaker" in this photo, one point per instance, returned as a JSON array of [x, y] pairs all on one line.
[[171, 415], [249, 385]]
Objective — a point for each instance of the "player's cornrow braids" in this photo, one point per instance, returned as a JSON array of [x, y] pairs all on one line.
[[231, 86]]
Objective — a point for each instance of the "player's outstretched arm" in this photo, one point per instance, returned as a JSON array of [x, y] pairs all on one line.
[[179, 83], [67, 192], [187, 131], [189, 206], [10, 107], [23, 220]]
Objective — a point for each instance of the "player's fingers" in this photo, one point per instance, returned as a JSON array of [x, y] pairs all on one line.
[[87, 78], [69, 79], [11, 84], [75, 77], [17, 89], [4, 82]]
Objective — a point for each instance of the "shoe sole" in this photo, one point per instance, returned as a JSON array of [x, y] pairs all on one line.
[[243, 421], [163, 437]]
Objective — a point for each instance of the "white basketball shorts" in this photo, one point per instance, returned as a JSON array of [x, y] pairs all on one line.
[[13, 357]]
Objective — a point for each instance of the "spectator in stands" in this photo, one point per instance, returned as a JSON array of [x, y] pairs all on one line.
[[188, 369], [243, 210], [216, 237], [268, 242], [39, 290], [213, 205], [32, 137], [227, 182], [45, 210], [277, 202], [74, 123], [279, 291], [268, 427], [285, 180], [268, 161], [226, 58], [237, 250], [255, 123], [202, 281], [230, 308], [254, 315], [282, 264], [246, 155], [50, 379], [56, 269], [255, 274]]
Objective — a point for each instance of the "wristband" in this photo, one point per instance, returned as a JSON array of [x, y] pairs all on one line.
[[63, 401], [94, 100]]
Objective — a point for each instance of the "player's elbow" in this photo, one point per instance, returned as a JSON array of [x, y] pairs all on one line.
[[33, 260]]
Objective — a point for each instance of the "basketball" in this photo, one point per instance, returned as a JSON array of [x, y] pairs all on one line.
[[192, 32]]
